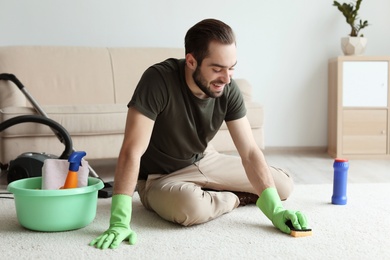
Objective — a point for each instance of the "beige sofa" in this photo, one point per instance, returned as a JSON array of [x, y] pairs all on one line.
[[85, 89]]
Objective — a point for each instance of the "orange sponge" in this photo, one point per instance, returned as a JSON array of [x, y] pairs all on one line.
[[298, 232]]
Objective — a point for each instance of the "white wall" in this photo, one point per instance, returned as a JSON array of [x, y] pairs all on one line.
[[283, 46]]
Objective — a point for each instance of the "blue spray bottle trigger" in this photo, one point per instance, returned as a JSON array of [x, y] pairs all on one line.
[[75, 160]]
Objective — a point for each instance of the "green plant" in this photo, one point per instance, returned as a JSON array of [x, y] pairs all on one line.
[[350, 12]]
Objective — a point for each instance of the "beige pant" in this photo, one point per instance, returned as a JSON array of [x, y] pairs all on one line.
[[200, 192]]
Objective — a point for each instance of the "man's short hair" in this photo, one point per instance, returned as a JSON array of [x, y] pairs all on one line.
[[200, 35]]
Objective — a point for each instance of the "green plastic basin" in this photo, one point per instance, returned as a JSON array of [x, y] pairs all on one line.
[[54, 210]]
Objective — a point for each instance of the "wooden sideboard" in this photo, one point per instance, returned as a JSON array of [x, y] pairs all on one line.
[[358, 107]]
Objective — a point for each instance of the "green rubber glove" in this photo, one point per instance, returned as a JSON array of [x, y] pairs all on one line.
[[269, 203], [119, 229]]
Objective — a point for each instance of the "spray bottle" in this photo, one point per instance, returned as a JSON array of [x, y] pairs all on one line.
[[75, 162]]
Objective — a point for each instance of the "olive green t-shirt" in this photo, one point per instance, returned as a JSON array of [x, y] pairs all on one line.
[[184, 124]]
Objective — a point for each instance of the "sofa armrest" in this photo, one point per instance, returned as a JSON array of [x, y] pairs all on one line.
[[246, 89]]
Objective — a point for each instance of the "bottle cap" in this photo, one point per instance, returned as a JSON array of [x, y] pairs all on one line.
[[341, 160], [75, 160]]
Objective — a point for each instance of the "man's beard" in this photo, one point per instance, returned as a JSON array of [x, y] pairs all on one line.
[[202, 84]]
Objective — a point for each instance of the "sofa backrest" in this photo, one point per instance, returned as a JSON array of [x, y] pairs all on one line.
[[66, 75], [128, 64]]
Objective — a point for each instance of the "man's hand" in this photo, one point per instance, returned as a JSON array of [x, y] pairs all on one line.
[[119, 229], [114, 236], [297, 219], [269, 203]]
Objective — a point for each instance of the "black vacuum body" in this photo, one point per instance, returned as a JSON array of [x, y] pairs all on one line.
[[27, 165], [30, 164]]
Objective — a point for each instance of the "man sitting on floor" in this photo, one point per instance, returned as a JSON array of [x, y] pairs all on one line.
[[176, 109]]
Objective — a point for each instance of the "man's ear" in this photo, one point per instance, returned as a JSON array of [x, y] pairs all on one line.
[[191, 61]]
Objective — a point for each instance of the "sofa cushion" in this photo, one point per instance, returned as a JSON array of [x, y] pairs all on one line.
[[128, 65], [78, 120], [58, 75], [254, 115]]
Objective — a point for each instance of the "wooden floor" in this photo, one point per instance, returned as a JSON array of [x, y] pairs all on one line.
[[306, 167]]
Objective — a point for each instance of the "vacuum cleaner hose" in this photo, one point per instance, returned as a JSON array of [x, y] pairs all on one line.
[[67, 141]]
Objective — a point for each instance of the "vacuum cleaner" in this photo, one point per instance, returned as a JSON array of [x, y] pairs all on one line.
[[29, 164]]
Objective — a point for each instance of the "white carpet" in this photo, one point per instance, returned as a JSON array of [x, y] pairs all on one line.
[[358, 230]]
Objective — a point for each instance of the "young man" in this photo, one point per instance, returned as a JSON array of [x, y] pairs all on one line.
[[177, 108]]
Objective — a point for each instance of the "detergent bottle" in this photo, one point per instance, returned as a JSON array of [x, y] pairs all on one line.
[[340, 177], [75, 162]]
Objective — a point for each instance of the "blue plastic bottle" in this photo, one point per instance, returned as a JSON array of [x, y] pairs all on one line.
[[340, 177]]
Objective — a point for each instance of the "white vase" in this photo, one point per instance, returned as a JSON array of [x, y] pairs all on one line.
[[353, 45]]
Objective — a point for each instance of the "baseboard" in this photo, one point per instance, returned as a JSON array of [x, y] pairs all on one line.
[[311, 149]]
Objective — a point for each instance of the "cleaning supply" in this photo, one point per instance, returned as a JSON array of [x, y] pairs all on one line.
[[340, 177], [74, 164], [55, 171], [298, 232], [54, 210]]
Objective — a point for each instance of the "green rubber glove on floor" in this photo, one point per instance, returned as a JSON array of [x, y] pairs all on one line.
[[270, 204], [119, 230]]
